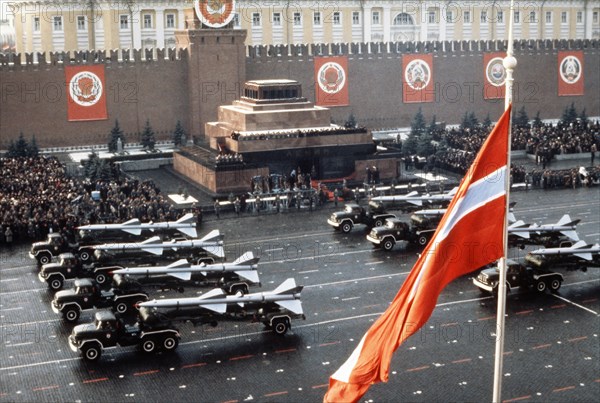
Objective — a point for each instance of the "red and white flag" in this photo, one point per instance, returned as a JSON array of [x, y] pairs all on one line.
[[469, 236]]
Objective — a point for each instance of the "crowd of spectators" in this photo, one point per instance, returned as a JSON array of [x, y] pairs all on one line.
[[37, 197], [544, 141]]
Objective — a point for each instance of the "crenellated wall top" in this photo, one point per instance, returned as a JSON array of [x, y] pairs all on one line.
[[374, 48], [67, 58]]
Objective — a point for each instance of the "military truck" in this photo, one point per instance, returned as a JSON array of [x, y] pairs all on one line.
[[53, 246], [518, 276], [418, 232], [373, 215], [86, 294], [70, 266], [110, 331]]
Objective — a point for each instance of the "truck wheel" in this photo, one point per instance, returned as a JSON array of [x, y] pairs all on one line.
[[71, 315], [280, 326], [346, 227], [378, 222], [55, 283], [170, 343], [101, 278], [85, 255], [555, 284], [91, 352], [121, 307], [240, 288], [148, 345], [540, 286], [422, 240], [388, 244], [44, 258]]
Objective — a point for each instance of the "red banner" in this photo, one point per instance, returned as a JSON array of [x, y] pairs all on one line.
[[331, 81], [570, 73], [417, 79], [494, 83], [86, 94]]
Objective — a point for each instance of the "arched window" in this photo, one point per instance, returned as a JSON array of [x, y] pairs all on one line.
[[403, 19]]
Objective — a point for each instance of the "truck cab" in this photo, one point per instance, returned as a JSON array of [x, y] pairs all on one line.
[[53, 246], [518, 276], [372, 216]]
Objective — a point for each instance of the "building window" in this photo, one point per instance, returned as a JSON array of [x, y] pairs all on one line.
[[147, 21], [170, 21], [403, 19], [595, 17], [124, 22], [81, 23], [236, 20], [256, 19], [375, 18], [431, 17], [337, 18], [297, 19], [467, 17], [277, 19], [317, 18], [449, 16], [563, 17], [355, 18], [36, 24], [532, 17], [548, 17], [57, 23], [579, 17], [483, 17], [516, 17], [500, 16]]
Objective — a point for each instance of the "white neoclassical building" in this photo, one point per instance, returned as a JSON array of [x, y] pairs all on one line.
[[97, 24]]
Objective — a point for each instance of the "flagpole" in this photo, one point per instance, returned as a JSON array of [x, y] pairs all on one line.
[[509, 63]]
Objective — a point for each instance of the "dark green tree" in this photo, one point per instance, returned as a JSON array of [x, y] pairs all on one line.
[[521, 120], [537, 121], [12, 150], [21, 146], [465, 123], [432, 128], [418, 125], [424, 146], [115, 134], [32, 148], [583, 118], [178, 134], [569, 115], [409, 146], [351, 122], [473, 121], [487, 122], [148, 141]]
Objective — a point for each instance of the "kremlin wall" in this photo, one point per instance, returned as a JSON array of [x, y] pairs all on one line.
[[210, 67]]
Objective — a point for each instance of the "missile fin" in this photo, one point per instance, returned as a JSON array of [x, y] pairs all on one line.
[[213, 235], [216, 250], [586, 256], [571, 234], [415, 202], [218, 308], [154, 239], [563, 220], [189, 217], [579, 244], [250, 275], [247, 258], [511, 217], [453, 191], [189, 231], [185, 276], [133, 231], [287, 287], [178, 264], [214, 293], [294, 305], [133, 221], [412, 194], [154, 251]]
